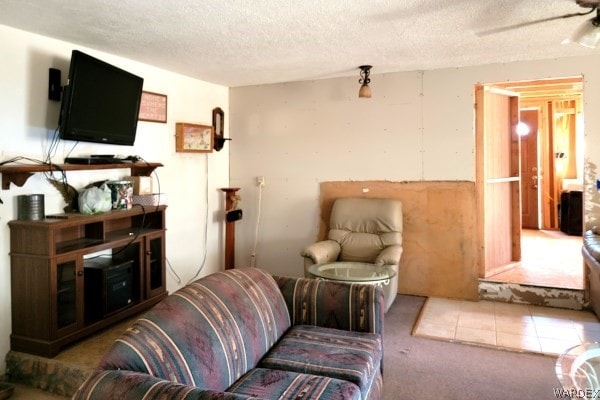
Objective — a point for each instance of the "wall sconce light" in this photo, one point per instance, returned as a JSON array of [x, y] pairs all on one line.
[[522, 129], [365, 90]]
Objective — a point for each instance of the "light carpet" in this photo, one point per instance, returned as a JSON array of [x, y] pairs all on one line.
[[426, 369]]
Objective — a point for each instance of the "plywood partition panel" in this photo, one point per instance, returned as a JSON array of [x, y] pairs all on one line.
[[439, 236], [498, 227], [497, 179]]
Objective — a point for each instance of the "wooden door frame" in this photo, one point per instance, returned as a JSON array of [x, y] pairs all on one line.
[[514, 179], [540, 94]]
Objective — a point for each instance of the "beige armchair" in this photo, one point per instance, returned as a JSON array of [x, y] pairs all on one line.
[[362, 230]]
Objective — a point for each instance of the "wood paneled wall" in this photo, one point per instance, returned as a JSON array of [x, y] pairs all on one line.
[[439, 236]]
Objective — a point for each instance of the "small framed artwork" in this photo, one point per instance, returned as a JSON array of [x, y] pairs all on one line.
[[194, 138], [153, 107]]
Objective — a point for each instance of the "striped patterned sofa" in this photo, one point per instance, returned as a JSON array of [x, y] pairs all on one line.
[[244, 334], [591, 259]]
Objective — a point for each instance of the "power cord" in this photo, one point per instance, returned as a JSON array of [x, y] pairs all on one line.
[[158, 192], [171, 269], [205, 228], [261, 184], [62, 181], [17, 160]]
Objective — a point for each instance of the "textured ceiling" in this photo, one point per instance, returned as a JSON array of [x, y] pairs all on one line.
[[246, 42]]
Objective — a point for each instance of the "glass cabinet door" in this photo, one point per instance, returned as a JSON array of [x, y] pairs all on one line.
[[66, 294], [155, 259]]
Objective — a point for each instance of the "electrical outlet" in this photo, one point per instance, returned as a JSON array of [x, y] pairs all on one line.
[[260, 181]]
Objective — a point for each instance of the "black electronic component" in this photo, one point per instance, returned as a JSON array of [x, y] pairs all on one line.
[[94, 160], [108, 287], [54, 86], [233, 215], [101, 102]]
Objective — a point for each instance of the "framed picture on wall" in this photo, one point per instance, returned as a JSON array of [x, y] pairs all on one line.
[[153, 107], [193, 138]]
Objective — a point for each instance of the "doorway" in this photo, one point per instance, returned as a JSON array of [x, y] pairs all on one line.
[[543, 181]]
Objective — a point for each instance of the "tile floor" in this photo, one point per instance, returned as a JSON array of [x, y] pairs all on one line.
[[505, 325]]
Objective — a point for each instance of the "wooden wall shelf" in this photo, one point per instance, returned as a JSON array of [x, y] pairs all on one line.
[[18, 174]]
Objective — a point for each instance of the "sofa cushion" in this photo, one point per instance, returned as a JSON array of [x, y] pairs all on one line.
[[350, 356], [207, 334], [340, 305], [129, 385], [591, 241], [278, 384]]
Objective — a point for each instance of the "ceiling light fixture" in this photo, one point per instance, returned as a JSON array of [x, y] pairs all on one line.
[[365, 90], [588, 34]]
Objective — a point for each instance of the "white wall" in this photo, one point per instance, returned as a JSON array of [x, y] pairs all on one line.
[[28, 121], [417, 126]]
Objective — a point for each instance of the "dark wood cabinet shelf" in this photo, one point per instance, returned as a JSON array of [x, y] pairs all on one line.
[[129, 234], [77, 244], [18, 174], [73, 275]]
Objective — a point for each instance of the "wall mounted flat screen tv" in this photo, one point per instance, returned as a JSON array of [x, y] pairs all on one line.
[[101, 102]]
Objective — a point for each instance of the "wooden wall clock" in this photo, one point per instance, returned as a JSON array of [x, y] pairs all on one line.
[[193, 138], [218, 124]]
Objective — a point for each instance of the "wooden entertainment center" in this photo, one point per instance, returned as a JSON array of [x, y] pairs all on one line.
[[74, 274], [50, 269]]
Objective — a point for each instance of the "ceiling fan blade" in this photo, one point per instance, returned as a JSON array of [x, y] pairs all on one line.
[[529, 23], [588, 3]]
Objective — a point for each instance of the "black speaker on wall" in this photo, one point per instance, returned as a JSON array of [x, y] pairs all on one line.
[[54, 87]]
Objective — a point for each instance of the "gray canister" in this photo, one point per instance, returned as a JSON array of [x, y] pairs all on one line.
[[30, 207]]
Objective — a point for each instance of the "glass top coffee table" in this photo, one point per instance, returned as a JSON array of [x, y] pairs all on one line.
[[578, 367], [353, 272]]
